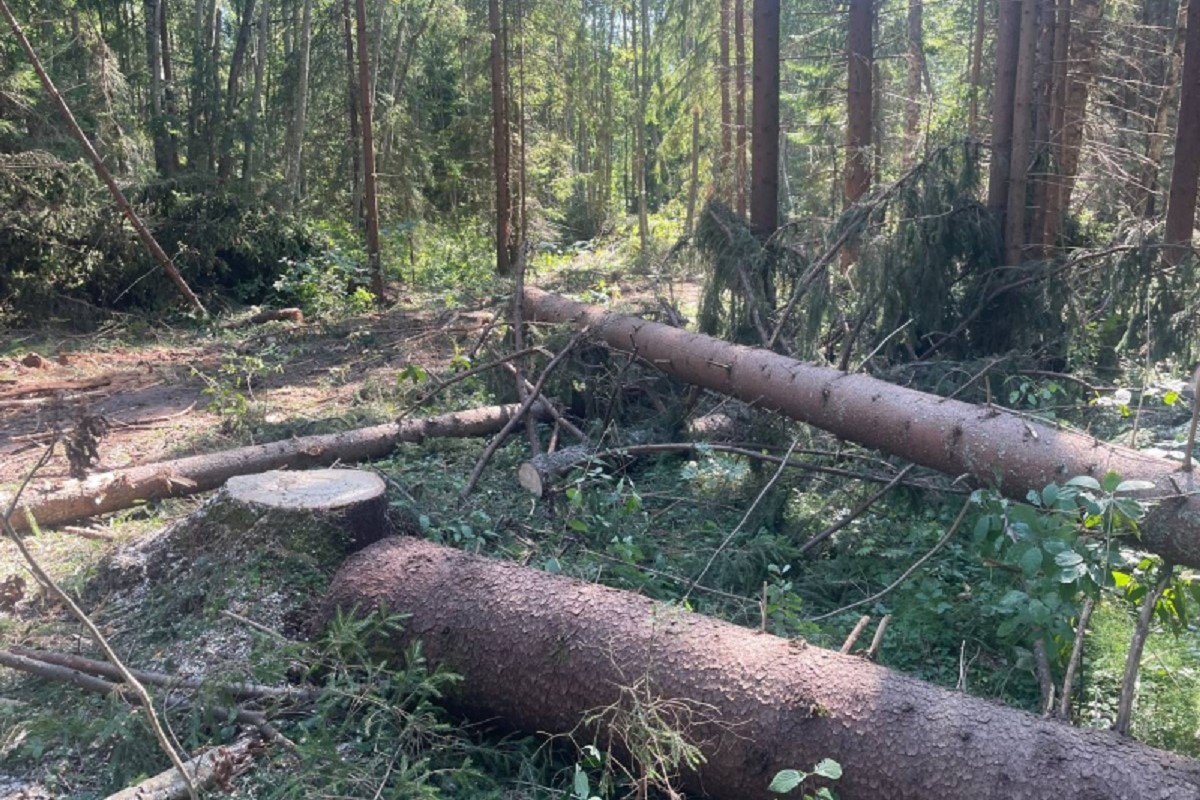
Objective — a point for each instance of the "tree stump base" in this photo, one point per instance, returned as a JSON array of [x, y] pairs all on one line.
[[351, 505]]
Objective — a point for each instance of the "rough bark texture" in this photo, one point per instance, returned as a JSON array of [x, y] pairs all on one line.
[[540, 651], [370, 200], [914, 67], [1181, 199], [946, 435], [725, 159], [111, 491], [1007, 36], [858, 101], [739, 38], [1022, 130], [500, 143], [764, 196]]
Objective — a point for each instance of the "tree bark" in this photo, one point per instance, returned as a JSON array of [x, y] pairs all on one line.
[[1084, 47], [694, 185], [725, 160], [294, 155], [257, 109], [758, 703], [1008, 36], [1055, 210], [112, 491], [914, 68], [1022, 131], [500, 144], [1181, 199], [976, 69], [739, 40], [1158, 135], [355, 141], [859, 51], [370, 199], [105, 176], [764, 198], [232, 90], [946, 435]]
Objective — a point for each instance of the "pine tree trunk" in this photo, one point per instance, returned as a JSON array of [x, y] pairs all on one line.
[[1085, 46], [764, 199], [976, 69], [261, 55], [694, 186], [859, 101], [1181, 198], [725, 159], [1022, 134], [1055, 210], [643, 147], [158, 125], [500, 143], [370, 200], [912, 85], [1008, 36], [294, 153], [354, 145], [1167, 97], [233, 88], [739, 38]]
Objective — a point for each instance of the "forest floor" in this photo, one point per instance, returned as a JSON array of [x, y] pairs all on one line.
[[169, 393]]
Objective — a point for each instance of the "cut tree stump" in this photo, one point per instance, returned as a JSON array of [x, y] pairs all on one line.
[[541, 652], [112, 491], [350, 501]]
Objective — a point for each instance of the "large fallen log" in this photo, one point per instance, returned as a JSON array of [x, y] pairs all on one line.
[[111, 491], [947, 435], [542, 651]]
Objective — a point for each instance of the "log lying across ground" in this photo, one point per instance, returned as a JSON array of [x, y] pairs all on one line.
[[946, 435], [112, 491], [542, 651]]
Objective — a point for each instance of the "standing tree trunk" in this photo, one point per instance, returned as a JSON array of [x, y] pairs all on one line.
[[370, 200], [859, 114], [976, 69], [694, 187], [1022, 132], [232, 89], [914, 69], [118, 196], [753, 704], [158, 122], [354, 144], [294, 153], [500, 144], [1158, 135], [1008, 37], [1084, 49], [1181, 199], [1058, 114], [725, 160], [739, 38], [257, 109], [643, 91], [170, 108], [764, 199]]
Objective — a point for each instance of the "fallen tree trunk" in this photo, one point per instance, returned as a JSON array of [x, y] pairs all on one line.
[[112, 491], [542, 651], [946, 435]]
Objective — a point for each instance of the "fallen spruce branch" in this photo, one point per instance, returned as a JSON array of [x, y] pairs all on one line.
[[99, 494]]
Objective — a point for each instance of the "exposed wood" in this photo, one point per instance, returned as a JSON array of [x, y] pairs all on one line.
[[536, 475], [352, 500], [771, 703], [947, 435], [214, 766], [102, 493]]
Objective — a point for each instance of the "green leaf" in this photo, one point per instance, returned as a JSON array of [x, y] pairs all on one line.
[[583, 787], [579, 525], [1050, 495], [1133, 486], [786, 780], [1085, 482], [1068, 558], [1171, 397], [982, 526], [1111, 481], [828, 768], [1031, 561]]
